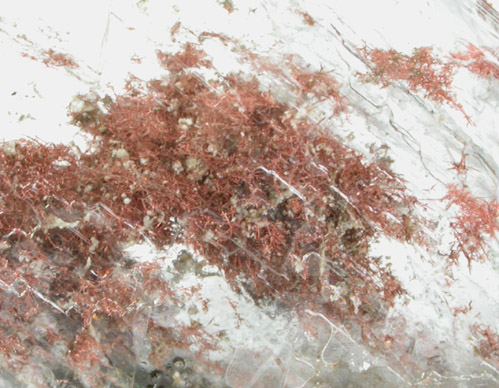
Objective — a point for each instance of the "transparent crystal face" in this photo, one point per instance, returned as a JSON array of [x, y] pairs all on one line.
[[271, 194]]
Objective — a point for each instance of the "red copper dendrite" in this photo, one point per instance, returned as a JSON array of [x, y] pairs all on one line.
[[276, 203]]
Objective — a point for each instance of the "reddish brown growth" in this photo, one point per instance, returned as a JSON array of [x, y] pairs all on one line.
[[460, 166], [26, 55], [175, 29], [307, 19], [191, 57], [304, 83], [275, 202], [62, 271], [86, 354], [421, 71], [266, 197], [488, 345], [476, 221], [58, 59], [474, 59], [321, 85], [461, 309]]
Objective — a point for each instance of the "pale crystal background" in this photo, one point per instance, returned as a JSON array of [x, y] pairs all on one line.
[[423, 139]]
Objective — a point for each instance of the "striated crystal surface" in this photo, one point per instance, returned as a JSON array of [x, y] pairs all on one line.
[[240, 194]]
